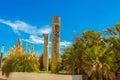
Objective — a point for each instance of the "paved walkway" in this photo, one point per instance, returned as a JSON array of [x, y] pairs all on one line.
[[1, 77], [38, 76]]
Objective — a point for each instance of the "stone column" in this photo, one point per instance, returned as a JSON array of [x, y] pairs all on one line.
[[45, 55], [55, 43]]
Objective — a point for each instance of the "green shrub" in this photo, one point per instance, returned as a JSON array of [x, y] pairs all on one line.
[[20, 63]]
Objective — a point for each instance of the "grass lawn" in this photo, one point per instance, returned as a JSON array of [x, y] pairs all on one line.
[[45, 72], [49, 72], [62, 72]]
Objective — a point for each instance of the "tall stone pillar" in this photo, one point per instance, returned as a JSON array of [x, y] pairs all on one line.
[[55, 44], [45, 55]]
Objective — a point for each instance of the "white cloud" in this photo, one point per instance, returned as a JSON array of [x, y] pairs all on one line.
[[18, 26], [65, 44], [34, 39], [46, 29], [33, 31], [62, 44]]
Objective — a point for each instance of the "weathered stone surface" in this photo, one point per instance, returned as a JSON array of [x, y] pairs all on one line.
[[55, 43], [45, 55]]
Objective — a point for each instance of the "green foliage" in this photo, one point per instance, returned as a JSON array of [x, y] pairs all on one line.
[[55, 67], [41, 62], [49, 64], [99, 61], [114, 43], [93, 55], [72, 57], [20, 63]]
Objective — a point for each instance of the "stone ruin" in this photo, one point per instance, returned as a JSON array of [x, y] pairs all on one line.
[[55, 45]]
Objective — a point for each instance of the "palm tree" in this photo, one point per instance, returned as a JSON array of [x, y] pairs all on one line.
[[114, 41], [92, 38], [98, 63], [90, 55], [72, 57], [94, 54]]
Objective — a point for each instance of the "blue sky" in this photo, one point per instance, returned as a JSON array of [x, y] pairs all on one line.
[[29, 19]]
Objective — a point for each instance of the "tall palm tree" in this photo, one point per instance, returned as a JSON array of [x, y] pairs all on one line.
[[114, 41]]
